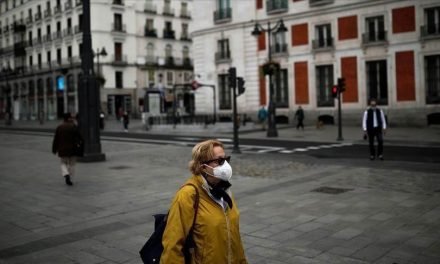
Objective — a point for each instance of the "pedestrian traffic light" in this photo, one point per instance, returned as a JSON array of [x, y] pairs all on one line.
[[335, 91], [341, 84], [240, 85], [232, 77]]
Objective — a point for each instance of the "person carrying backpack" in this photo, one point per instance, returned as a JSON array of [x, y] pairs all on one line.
[[215, 226]]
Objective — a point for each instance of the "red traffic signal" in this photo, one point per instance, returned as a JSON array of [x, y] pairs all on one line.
[[335, 91]]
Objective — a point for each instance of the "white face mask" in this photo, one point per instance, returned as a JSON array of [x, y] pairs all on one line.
[[222, 172]]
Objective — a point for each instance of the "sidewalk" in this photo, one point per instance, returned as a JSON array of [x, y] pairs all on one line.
[[423, 136]]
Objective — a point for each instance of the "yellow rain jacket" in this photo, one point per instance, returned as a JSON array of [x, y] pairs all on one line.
[[216, 231]]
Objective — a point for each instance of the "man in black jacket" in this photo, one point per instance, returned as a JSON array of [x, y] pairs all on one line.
[[65, 142], [374, 126]]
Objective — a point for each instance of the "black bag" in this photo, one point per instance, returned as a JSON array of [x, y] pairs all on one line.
[[152, 250]]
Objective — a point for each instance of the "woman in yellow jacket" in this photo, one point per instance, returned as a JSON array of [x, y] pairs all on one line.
[[216, 232]]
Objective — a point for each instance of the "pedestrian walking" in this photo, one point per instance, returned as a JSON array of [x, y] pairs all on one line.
[[262, 117], [216, 232], [299, 116], [66, 143], [374, 126], [125, 120]]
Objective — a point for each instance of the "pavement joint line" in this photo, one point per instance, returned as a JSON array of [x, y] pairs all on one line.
[[54, 241]]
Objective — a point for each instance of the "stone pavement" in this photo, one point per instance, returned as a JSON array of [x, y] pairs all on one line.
[[380, 216]]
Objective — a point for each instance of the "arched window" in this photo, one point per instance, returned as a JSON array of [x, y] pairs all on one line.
[[185, 52]]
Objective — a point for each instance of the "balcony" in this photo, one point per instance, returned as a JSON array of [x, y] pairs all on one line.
[[37, 41], [430, 31], [29, 20], [68, 5], [374, 38], [169, 61], [185, 14], [67, 32], [168, 34], [150, 60], [278, 49], [223, 56], [78, 29], [168, 11], [117, 27], [119, 59], [57, 10], [47, 38], [150, 33], [276, 6], [18, 26], [57, 35], [150, 8], [47, 13], [185, 37], [320, 2], [38, 17], [222, 15], [322, 44]]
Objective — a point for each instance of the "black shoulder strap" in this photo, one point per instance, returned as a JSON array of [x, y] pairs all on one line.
[[196, 205]]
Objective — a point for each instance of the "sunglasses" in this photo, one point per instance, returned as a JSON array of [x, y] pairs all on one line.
[[219, 161]]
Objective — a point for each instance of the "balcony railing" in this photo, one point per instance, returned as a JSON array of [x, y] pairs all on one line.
[[185, 37], [184, 13], [168, 34], [276, 6], [119, 59], [278, 48], [118, 2], [47, 13], [29, 20], [37, 41], [168, 11], [57, 10], [38, 16], [68, 5], [322, 44], [150, 8], [223, 15], [222, 56], [320, 2], [150, 60], [119, 27], [57, 35], [374, 37], [430, 31], [47, 38], [169, 61], [150, 33], [68, 32]]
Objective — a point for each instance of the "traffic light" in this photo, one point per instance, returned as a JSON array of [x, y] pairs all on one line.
[[341, 84], [335, 91], [240, 85], [232, 77]]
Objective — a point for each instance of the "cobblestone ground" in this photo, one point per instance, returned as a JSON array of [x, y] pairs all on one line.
[[380, 216]]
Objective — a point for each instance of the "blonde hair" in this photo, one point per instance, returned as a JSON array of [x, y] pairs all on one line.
[[202, 152]]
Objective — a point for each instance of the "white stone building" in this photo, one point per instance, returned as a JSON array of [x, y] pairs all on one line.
[[147, 44], [387, 49]]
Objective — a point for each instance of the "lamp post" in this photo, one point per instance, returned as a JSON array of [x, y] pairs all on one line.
[[8, 119], [269, 69], [99, 53], [88, 96]]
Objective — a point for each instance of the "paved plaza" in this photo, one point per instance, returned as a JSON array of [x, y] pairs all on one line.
[[294, 209]]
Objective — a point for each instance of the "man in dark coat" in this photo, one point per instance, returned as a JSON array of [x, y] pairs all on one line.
[[374, 126], [67, 138], [299, 115]]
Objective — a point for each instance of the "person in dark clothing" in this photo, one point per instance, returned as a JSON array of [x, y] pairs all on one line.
[[374, 126], [125, 120], [299, 116], [66, 137]]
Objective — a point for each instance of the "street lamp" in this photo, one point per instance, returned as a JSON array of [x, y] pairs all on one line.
[[99, 53], [269, 69], [8, 119]]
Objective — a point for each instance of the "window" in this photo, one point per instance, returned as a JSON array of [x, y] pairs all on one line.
[[31, 60], [432, 21], [224, 92], [223, 12], [168, 30], [432, 79], [377, 86], [117, 19], [118, 79], [185, 52], [184, 10], [49, 57], [118, 51], [30, 37], [323, 36], [149, 28], [223, 52], [80, 22], [150, 52], [279, 42], [374, 29], [324, 83], [80, 47], [149, 23], [168, 51], [281, 96], [69, 52], [59, 56], [184, 31], [40, 60], [170, 78]]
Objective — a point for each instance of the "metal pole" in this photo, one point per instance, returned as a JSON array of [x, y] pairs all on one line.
[[88, 96], [236, 148], [174, 106], [272, 129], [215, 107], [339, 118]]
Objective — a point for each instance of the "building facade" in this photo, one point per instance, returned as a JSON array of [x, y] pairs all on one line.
[[385, 49], [137, 45]]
